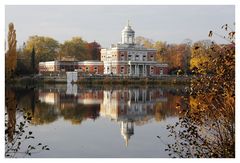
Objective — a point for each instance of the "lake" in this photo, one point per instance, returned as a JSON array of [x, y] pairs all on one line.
[[117, 121]]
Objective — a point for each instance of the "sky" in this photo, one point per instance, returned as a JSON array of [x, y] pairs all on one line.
[[104, 24]]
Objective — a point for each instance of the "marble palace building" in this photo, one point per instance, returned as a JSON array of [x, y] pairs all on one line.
[[129, 58], [126, 58]]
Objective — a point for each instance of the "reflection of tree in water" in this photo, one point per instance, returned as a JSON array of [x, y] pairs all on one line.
[[26, 98], [11, 105], [170, 108], [80, 113], [44, 114]]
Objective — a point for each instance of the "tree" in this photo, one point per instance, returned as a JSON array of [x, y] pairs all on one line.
[[75, 48], [161, 48], [94, 49], [23, 62], [173, 54], [147, 43], [207, 127], [176, 55], [201, 52], [11, 54], [186, 56], [45, 48]]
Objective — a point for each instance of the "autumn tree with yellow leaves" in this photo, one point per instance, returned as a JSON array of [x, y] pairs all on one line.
[[207, 128], [11, 54]]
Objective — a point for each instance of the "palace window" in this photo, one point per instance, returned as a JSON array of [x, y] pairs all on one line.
[[122, 70], [95, 69], [122, 95], [152, 58], [87, 69], [129, 57], [144, 57], [130, 39], [161, 71], [151, 71], [137, 57], [122, 108], [122, 57], [114, 69]]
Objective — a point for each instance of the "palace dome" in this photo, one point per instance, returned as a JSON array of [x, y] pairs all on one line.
[[128, 35], [128, 29]]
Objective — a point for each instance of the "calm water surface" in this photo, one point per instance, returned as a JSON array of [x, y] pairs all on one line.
[[100, 121]]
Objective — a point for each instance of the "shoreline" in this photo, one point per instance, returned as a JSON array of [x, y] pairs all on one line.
[[106, 80]]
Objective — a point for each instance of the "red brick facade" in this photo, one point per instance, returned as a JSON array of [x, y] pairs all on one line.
[[92, 69]]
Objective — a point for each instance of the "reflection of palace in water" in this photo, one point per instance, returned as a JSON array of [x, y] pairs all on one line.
[[129, 107]]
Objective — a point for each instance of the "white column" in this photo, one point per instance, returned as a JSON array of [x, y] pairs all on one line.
[[130, 96], [138, 70], [144, 70], [135, 95], [135, 69], [130, 69]]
